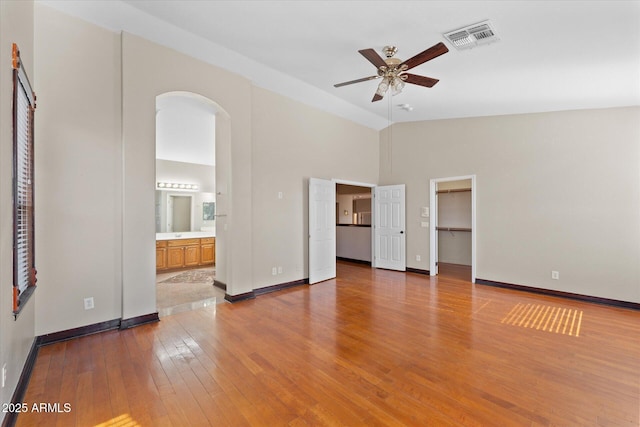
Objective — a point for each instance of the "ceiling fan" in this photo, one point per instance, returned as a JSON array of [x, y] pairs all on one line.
[[393, 71]]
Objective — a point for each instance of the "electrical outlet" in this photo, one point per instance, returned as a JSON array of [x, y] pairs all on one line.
[[279, 269], [555, 275], [418, 258], [274, 271], [4, 374], [88, 303]]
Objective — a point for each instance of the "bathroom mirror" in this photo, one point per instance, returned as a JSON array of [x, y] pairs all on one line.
[[182, 211]]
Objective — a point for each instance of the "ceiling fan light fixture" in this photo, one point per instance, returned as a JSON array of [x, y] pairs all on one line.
[[397, 86], [382, 87]]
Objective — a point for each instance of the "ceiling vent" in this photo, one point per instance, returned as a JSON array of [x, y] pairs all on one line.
[[472, 35]]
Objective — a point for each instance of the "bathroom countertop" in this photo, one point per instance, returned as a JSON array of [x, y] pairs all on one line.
[[185, 235]]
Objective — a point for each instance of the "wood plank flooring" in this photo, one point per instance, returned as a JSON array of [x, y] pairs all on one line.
[[371, 348]]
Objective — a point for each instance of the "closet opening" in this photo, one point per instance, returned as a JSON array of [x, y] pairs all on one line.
[[453, 228]]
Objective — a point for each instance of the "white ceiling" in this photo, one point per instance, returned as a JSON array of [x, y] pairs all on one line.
[[185, 128], [552, 55]]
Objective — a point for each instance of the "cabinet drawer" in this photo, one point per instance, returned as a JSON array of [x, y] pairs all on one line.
[[184, 242], [208, 240], [161, 243]]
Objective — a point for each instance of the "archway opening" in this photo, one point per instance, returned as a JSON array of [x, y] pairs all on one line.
[[185, 202]]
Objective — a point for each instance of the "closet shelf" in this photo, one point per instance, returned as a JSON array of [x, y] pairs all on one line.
[[454, 190], [452, 229]]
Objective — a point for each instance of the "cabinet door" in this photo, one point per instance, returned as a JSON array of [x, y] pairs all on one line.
[[161, 258], [175, 257], [191, 255], [207, 254]]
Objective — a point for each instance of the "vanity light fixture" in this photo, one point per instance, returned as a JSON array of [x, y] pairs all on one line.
[[176, 186]]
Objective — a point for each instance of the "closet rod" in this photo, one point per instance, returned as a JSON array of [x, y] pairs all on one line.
[[454, 190], [452, 229]]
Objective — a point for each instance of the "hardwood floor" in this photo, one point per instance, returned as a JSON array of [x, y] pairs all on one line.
[[371, 348], [454, 271]]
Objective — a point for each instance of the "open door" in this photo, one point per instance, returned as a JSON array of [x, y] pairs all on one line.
[[389, 227], [322, 230], [433, 246]]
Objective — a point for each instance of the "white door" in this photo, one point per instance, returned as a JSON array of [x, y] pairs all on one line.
[[389, 227], [436, 239], [322, 230]]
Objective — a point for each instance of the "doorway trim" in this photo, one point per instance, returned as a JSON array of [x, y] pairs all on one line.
[[433, 214]]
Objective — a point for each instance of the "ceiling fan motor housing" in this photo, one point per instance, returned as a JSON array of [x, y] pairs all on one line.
[[389, 51]]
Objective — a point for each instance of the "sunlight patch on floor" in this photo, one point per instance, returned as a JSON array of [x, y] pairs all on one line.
[[565, 321], [123, 420]]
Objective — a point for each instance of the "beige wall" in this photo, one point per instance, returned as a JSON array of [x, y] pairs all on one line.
[[79, 169], [189, 173], [16, 336], [99, 119], [555, 191], [148, 71], [291, 143]]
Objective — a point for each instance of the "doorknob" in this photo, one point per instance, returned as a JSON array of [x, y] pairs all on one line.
[[402, 232]]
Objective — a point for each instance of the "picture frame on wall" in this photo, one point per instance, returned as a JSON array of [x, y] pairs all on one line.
[[208, 211]]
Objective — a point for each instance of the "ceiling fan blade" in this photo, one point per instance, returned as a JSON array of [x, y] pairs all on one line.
[[424, 56], [420, 80], [364, 79], [373, 57], [376, 97]]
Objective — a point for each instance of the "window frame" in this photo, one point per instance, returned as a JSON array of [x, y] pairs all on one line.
[[23, 189]]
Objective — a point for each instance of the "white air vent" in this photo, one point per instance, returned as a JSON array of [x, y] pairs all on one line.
[[472, 35]]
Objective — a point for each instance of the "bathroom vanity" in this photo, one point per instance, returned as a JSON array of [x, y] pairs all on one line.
[[185, 250]]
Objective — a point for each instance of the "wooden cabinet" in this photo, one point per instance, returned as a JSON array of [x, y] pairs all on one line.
[[192, 255], [208, 251], [181, 253], [161, 255], [175, 257]]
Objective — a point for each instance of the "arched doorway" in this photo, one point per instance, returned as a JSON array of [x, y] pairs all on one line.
[[187, 256]]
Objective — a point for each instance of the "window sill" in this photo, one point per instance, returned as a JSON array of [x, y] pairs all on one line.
[[22, 300]]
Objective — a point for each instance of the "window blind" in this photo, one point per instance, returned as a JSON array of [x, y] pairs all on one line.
[[24, 192], [24, 272]]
